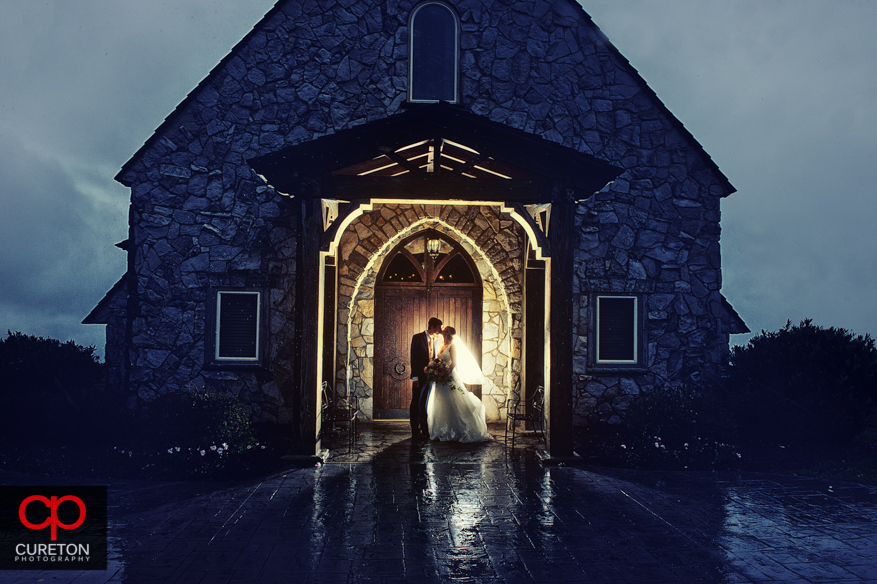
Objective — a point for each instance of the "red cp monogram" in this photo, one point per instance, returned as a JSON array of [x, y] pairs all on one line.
[[52, 505]]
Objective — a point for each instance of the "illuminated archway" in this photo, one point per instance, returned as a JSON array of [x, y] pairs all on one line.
[[356, 325]]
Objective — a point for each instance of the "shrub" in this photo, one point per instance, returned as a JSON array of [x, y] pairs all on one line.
[[197, 419], [49, 390], [199, 434], [44, 365], [804, 384], [670, 428]]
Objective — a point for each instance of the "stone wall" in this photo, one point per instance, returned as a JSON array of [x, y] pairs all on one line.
[[654, 231], [201, 238]]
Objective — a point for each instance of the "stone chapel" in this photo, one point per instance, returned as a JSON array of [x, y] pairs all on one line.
[[354, 167]]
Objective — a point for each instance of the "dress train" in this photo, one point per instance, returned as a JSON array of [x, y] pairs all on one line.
[[454, 415]]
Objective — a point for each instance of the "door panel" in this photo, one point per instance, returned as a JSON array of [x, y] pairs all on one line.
[[400, 313], [411, 288], [457, 308]]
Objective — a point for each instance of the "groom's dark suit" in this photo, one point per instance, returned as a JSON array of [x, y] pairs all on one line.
[[420, 357]]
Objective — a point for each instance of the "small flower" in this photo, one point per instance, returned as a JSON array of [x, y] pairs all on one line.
[[170, 450], [177, 448], [738, 455], [249, 446], [219, 451], [224, 445], [686, 444], [213, 447], [203, 452], [623, 446], [657, 445], [263, 447]]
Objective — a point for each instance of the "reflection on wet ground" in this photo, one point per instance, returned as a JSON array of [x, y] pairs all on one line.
[[401, 511]]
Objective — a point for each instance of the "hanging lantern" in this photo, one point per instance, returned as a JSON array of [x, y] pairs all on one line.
[[433, 248]]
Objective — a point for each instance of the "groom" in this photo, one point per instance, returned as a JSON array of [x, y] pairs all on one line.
[[422, 351]]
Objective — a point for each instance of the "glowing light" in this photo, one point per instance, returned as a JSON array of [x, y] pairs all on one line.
[[433, 247]]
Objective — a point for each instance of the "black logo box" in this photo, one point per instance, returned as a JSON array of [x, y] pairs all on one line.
[[39, 551]]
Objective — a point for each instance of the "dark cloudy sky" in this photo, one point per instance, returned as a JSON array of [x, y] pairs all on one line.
[[781, 93]]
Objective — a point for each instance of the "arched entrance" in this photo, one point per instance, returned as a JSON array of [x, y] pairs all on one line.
[[330, 184], [427, 274]]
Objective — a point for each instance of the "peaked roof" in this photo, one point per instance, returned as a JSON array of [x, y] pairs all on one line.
[[444, 121], [735, 324], [678, 125], [170, 119], [101, 313]]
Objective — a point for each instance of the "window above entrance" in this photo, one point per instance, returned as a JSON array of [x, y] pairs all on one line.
[[428, 259], [456, 271], [433, 54], [402, 269]]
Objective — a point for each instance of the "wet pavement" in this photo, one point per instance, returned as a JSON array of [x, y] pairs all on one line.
[[422, 512]]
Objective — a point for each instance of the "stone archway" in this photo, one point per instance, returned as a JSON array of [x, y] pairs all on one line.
[[414, 283], [494, 242]]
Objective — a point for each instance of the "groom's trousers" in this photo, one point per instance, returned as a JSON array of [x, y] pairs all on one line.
[[417, 410]]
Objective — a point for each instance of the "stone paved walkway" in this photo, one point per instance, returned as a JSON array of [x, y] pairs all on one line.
[[397, 511]]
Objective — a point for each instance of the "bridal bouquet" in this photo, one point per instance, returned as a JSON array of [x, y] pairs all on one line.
[[438, 371]]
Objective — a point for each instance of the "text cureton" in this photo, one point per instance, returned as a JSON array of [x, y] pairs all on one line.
[[52, 549]]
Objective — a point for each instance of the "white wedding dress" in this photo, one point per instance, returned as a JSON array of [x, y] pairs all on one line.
[[453, 415]]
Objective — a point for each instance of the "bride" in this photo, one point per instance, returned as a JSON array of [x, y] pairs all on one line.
[[455, 413]]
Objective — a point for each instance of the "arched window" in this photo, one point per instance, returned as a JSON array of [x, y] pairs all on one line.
[[433, 53]]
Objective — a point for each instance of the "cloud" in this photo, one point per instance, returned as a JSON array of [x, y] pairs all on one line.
[[85, 84], [93, 79], [781, 94], [53, 253]]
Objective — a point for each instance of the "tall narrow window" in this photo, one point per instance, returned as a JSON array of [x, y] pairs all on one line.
[[237, 326], [617, 330], [433, 53]]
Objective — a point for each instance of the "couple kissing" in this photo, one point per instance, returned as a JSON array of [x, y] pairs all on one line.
[[441, 406]]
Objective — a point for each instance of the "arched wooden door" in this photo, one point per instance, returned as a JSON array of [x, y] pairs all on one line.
[[414, 285]]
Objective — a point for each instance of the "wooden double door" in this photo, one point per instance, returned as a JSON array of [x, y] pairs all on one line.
[[413, 286]]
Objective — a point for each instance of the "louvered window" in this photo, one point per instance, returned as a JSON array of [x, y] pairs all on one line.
[[237, 326], [433, 53], [617, 330]]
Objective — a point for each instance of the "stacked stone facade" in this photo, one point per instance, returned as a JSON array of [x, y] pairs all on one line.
[[200, 219], [664, 246]]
